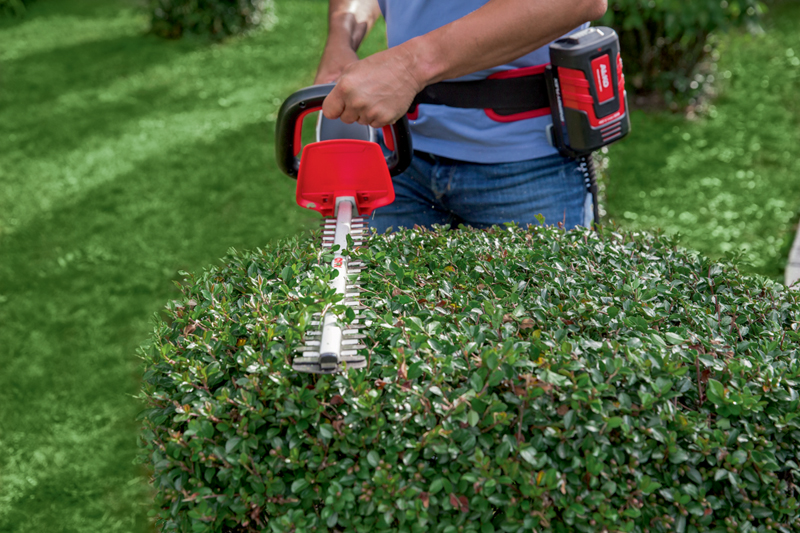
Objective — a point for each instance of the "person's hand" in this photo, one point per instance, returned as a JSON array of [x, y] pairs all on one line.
[[333, 62], [375, 91]]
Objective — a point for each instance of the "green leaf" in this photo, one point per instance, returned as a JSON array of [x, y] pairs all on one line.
[[680, 524], [673, 338], [492, 361], [632, 512], [231, 444], [529, 454], [679, 456], [299, 485], [739, 457], [662, 385], [569, 418], [476, 381], [373, 458], [326, 431], [436, 485], [716, 392], [332, 520], [551, 377]]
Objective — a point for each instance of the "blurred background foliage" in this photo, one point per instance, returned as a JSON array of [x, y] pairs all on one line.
[[13, 7], [216, 18], [126, 157], [664, 41]]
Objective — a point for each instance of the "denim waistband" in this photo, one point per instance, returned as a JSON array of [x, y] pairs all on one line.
[[434, 159]]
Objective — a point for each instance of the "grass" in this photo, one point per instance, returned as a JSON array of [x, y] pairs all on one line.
[[124, 159], [728, 182]]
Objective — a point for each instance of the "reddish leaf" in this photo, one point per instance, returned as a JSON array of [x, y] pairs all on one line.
[[459, 502], [402, 371], [426, 499], [337, 400]]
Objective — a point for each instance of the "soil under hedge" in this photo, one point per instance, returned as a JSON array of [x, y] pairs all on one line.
[[519, 380]]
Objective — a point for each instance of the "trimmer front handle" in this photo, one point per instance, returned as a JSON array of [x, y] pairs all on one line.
[[289, 129]]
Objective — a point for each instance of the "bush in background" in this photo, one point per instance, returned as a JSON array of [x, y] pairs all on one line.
[[519, 381], [217, 18], [663, 41], [13, 7]]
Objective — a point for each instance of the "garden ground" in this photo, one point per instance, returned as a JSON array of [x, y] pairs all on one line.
[[730, 180], [126, 159]]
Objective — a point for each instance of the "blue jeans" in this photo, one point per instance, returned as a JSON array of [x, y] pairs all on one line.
[[439, 190]]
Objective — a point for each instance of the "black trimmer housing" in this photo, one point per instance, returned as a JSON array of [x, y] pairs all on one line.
[[587, 92]]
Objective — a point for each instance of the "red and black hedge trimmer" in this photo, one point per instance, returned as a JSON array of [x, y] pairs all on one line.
[[344, 179], [345, 175]]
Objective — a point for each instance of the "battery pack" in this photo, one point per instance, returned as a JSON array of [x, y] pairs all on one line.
[[587, 91]]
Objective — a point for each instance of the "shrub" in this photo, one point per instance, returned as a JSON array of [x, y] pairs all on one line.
[[663, 41], [532, 380], [217, 18], [13, 7]]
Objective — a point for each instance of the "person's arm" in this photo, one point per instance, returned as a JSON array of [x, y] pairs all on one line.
[[349, 21], [378, 90]]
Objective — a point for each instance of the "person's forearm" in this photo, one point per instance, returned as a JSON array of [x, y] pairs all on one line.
[[349, 21], [495, 34]]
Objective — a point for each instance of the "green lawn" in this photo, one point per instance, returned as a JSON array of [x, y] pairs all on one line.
[[730, 181], [123, 159]]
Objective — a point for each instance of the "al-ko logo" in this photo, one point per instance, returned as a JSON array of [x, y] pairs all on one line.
[[601, 67], [602, 76]]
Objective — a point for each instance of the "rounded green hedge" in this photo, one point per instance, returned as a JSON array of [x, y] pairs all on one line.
[[534, 380]]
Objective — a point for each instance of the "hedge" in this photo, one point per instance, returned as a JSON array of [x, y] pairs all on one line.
[[519, 380]]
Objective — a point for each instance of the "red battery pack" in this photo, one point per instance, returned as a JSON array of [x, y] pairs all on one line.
[[587, 91]]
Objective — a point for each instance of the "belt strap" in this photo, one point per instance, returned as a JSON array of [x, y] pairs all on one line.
[[504, 96]]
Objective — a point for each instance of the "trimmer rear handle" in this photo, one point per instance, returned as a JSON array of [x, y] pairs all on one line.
[[288, 132]]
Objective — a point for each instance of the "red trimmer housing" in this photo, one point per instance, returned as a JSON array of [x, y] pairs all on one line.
[[337, 169], [587, 91]]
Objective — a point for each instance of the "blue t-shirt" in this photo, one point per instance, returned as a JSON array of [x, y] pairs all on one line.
[[465, 134]]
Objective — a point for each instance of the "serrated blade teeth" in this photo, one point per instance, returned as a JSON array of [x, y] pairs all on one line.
[[347, 359], [306, 349]]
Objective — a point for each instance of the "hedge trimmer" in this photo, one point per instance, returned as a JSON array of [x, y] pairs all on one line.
[[344, 179], [345, 175]]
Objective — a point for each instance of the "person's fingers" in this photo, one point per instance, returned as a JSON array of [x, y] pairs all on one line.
[[349, 115], [333, 105]]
